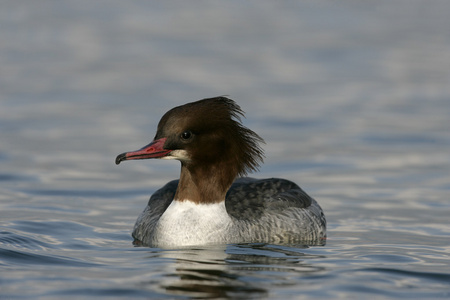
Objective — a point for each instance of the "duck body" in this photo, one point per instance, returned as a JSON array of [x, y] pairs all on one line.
[[208, 205], [274, 210]]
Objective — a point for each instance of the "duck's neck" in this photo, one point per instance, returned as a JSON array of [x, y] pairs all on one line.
[[204, 184]]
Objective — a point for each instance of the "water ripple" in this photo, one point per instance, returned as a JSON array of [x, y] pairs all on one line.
[[22, 258], [11, 239]]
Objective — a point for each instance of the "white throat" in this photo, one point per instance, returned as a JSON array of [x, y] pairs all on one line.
[[185, 223]]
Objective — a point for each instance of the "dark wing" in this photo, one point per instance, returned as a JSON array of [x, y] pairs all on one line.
[[157, 205], [248, 198], [162, 198]]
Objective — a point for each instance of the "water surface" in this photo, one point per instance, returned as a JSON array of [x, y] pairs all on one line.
[[351, 98]]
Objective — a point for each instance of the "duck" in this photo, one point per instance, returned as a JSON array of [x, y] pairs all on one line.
[[213, 202]]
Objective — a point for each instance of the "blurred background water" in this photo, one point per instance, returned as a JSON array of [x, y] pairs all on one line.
[[352, 98]]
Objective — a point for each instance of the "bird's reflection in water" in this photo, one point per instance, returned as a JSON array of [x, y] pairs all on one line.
[[234, 271]]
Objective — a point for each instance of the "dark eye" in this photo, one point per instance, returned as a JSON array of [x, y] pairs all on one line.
[[186, 135]]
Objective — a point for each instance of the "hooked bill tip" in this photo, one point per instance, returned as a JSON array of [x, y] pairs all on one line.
[[120, 158]]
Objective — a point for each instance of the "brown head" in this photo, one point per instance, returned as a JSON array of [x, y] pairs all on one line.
[[208, 138]]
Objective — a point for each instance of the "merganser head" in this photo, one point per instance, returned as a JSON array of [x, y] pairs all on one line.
[[205, 133]]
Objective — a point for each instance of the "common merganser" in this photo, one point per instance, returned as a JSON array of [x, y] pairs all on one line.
[[208, 205]]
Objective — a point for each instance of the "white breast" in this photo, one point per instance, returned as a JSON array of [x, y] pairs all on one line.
[[186, 223]]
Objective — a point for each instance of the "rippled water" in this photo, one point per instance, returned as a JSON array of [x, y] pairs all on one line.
[[351, 98]]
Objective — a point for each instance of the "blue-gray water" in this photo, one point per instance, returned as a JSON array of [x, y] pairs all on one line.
[[352, 98]]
